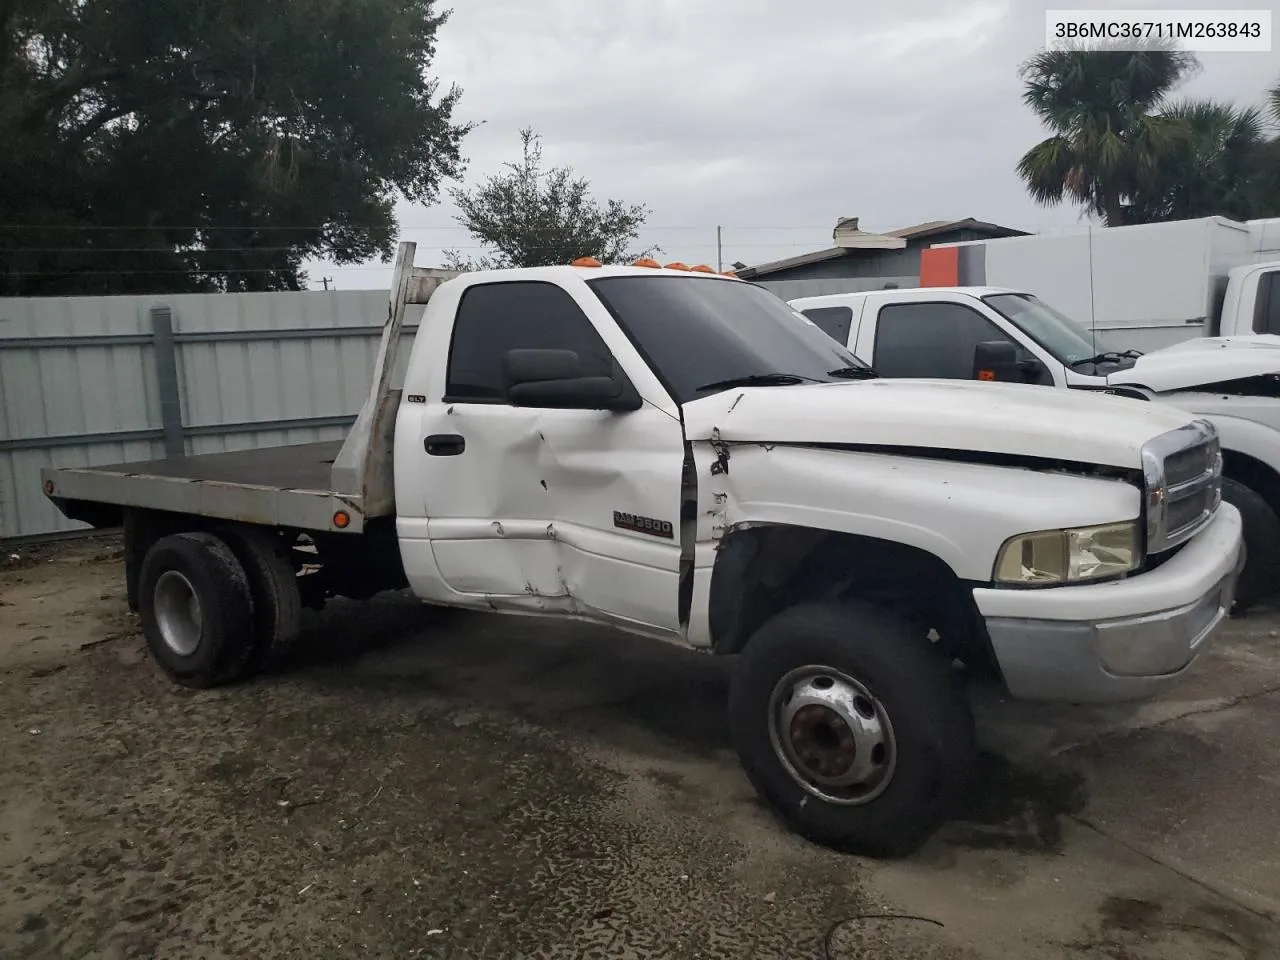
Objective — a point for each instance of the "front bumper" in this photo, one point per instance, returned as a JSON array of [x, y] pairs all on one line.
[[1124, 640]]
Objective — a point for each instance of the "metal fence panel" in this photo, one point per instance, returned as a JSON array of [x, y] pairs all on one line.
[[93, 380]]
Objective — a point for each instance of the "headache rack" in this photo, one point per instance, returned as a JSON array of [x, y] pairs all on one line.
[[333, 486]]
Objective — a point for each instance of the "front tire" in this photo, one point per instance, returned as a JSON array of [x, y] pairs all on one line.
[[196, 608], [1260, 578], [852, 727]]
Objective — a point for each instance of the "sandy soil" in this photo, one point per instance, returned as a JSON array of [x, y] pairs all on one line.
[[423, 783]]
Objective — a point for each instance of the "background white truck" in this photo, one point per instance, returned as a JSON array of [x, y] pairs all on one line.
[[1191, 286], [681, 455], [1140, 287]]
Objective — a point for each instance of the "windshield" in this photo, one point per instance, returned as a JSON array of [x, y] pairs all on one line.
[[701, 336], [1068, 341]]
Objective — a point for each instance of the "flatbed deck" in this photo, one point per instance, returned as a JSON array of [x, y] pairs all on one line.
[[287, 486], [303, 466]]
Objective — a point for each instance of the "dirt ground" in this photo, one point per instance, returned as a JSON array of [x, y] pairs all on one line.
[[436, 784]]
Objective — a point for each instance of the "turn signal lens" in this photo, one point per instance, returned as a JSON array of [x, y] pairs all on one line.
[[341, 519], [677, 265], [646, 262], [585, 262]]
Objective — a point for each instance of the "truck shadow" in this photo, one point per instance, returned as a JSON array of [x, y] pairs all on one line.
[[556, 673], [625, 692]]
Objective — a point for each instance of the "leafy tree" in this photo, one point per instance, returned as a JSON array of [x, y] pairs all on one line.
[[1107, 138], [530, 217], [174, 145]]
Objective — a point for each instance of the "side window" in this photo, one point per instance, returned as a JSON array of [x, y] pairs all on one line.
[[496, 317], [1266, 318], [833, 321], [931, 340]]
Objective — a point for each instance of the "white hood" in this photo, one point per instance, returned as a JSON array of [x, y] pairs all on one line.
[[939, 414], [1202, 360]]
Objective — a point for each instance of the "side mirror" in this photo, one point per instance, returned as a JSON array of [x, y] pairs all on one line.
[[553, 379], [996, 360]]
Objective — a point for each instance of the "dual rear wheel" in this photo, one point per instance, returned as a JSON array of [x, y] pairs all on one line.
[[217, 607]]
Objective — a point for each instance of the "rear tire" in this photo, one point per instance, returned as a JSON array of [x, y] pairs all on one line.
[[273, 584], [880, 783], [1260, 578], [197, 610]]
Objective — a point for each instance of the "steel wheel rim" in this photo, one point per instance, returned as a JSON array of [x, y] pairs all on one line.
[[177, 610], [833, 737]]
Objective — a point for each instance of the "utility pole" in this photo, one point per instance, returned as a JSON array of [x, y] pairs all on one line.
[[719, 251], [326, 281]]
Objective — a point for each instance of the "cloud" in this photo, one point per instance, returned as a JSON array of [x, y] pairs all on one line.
[[767, 117]]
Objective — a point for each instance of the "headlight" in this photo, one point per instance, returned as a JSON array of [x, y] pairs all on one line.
[[1069, 556]]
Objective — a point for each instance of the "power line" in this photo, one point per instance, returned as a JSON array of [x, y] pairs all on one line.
[[206, 251], [402, 227], [195, 271], [145, 250], [331, 226]]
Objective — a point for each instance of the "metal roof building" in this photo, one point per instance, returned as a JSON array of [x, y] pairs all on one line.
[[860, 260]]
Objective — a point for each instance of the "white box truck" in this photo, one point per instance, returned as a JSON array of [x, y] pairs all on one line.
[[681, 455], [1139, 287]]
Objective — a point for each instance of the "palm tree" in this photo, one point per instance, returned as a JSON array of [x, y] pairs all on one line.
[[1213, 171], [1268, 179], [1101, 106]]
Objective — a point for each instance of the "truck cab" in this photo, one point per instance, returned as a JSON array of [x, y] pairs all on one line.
[[1251, 302]]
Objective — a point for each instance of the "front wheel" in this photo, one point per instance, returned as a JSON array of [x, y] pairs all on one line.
[[852, 727]]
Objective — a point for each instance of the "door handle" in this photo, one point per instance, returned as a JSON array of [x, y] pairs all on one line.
[[444, 444]]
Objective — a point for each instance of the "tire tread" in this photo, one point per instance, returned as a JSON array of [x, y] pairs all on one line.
[[273, 583], [926, 704]]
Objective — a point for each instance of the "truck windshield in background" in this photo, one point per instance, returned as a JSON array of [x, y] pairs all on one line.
[[1066, 340], [695, 333]]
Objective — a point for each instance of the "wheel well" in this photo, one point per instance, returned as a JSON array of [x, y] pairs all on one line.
[[1254, 474], [760, 571]]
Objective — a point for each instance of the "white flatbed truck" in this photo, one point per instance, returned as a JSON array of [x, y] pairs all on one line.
[[679, 454]]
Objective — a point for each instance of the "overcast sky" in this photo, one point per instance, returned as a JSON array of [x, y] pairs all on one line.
[[771, 118]]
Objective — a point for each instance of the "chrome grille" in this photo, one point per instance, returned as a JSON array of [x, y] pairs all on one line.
[[1190, 509], [1189, 464], [1183, 471]]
